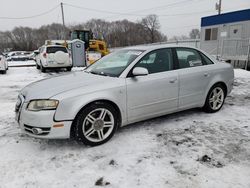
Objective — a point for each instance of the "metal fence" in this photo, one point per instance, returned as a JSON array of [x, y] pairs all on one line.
[[235, 49]]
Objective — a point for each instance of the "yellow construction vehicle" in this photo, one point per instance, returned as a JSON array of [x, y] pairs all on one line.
[[95, 49]]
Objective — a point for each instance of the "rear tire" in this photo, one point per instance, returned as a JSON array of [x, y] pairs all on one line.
[[69, 68], [43, 70], [215, 99], [37, 66], [96, 124]]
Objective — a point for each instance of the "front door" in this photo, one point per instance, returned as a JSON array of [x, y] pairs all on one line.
[[156, 93]]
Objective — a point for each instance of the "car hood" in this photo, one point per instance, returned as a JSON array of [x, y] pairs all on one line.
[[47, 88]]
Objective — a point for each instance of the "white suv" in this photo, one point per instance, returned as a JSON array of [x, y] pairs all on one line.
[[3, 64], [53, 56]]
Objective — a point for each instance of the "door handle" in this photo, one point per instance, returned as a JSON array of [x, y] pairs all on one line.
[[173, 80], [206, 74]]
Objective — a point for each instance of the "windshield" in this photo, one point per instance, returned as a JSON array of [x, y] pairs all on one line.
[[115, 63]]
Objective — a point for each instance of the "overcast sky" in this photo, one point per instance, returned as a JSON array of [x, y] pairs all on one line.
[[177, 17]]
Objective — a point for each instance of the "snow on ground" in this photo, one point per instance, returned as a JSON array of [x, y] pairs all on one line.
[[187, 149]]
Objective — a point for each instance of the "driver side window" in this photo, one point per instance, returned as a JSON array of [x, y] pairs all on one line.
[[157, 61]]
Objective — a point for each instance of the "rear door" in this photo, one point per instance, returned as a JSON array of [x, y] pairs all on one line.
[[156, 93], [194, 77]]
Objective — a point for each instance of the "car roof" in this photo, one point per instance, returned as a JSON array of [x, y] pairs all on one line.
[[158, 46]]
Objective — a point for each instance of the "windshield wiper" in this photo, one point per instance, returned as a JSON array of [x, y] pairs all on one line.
[[98, 73]]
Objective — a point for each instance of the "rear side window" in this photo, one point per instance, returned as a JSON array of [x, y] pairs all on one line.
[[56, 49], [188, 58], [157, 61]]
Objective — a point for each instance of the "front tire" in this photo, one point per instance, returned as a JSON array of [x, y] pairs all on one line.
[[215, 99], [96, 124]]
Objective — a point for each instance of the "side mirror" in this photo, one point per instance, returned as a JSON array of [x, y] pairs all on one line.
[[140, 71]]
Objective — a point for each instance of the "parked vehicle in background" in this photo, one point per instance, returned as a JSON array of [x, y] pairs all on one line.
[[36, 52], [31, 56], [19, 56], [126, 86], [5, 54], [53, 57], [3, 63]]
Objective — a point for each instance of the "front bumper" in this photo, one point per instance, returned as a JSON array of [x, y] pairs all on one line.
[[43, 120]]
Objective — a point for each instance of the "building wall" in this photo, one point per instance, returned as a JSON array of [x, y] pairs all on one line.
[[225, 31]]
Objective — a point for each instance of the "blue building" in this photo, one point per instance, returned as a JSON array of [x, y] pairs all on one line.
[[227, 35]]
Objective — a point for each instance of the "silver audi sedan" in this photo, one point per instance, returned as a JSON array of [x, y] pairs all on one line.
[[126, 86]]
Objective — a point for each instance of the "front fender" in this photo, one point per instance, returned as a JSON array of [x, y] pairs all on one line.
[[69, 107]]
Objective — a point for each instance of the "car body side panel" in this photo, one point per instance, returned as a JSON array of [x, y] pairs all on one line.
[[150, 95], [193, 82]]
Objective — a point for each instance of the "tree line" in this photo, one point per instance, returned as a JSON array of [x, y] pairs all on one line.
[[115, 33]]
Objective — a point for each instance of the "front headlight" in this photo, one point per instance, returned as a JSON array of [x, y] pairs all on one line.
[[37, 105]]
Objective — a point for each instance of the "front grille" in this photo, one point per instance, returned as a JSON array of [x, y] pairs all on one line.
[[45, 130]]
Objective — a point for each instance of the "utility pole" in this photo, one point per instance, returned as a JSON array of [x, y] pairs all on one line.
[[62, 15], [218, 7]]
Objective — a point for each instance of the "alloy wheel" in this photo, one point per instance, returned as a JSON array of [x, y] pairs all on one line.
[[98, 125], [216, 98]]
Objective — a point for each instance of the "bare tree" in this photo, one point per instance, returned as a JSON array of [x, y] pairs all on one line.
[[116, 33], [99, 27], [194, 34], [152, 25]]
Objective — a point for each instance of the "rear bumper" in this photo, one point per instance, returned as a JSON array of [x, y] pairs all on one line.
[[57, 66], [53, 64]]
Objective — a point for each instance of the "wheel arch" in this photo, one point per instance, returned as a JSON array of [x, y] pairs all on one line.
[[113, 104], [212, 85], [223, 84]]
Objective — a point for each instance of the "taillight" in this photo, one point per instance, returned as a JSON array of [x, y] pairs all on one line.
[[45, 55]]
